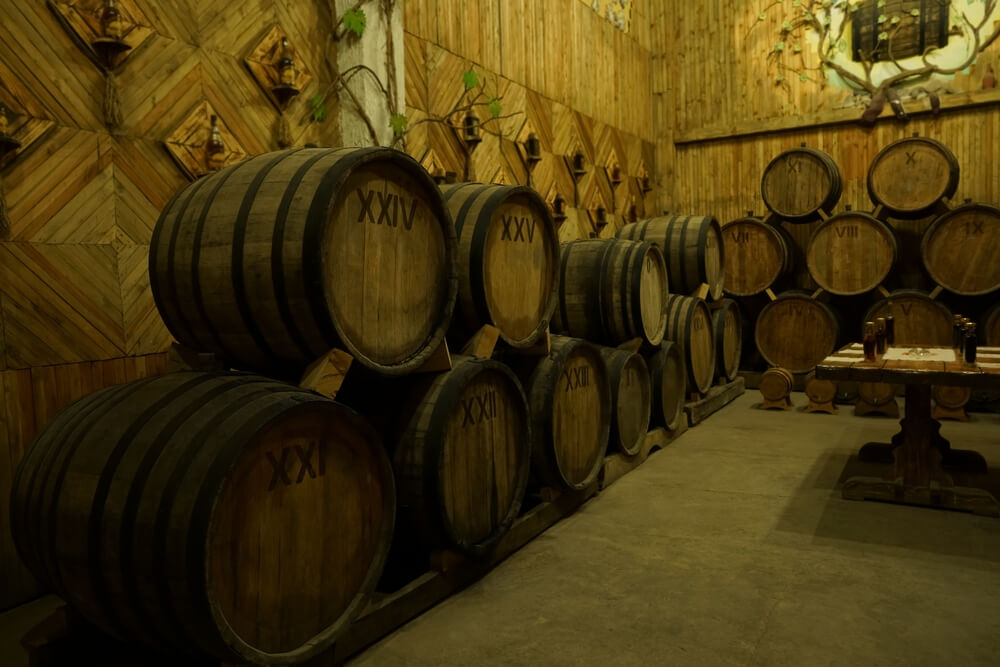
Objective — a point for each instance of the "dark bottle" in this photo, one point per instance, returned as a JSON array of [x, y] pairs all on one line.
[[868, 342], [215, 149], [890, 330], [286, 64], [956, 332], [111, 20], [880, 345], [970, 345]]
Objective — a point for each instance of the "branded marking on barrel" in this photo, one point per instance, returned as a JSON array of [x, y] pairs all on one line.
[[305, 459], [848, 231], [479, 409], [577, 378], [974, 227], [911, 158], [390, 206], [521, 226]]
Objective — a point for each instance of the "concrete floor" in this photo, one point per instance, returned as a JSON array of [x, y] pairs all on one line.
[[731, 546]]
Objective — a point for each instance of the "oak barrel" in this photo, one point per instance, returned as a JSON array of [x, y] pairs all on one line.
[[757, 255], [631, 399], [727, 325], [917, 319], [689, 324], [990, 326], [961, 249], [692, 247], [668, 380], [569, 397], [851, 253], [911, 176], [271, 262], [463, 457], [508, 260], [168, 510], [951, 396], [776, 384], [800, 183], [796, 332], [612, 291], [820, 391], [876, 393]]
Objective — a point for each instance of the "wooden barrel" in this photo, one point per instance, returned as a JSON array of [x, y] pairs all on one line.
[[776, 384], [820, 391], [851, 253], [197, 512], [692, 247], [800, 183], [271, 262], [757, 255], [463, 458], [951, 397], [917, 319], [570, 400], [631, 399], [727, 325], [961, 249], [796, 332], [508, 260], [990, 326], [689, 324], [668, 379], [612, 291], [876, 393], [910, 176]]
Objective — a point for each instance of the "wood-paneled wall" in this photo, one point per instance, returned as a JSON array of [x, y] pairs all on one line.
[[76, 311], [721, 116], [563, 72]]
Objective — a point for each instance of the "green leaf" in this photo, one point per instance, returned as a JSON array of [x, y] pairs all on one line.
[[880, 4], [842, 45], [355, 21], [786, 26], [779, 47], [470, 79], [883, 36], [762, 16], [494, 107], [797, 48], [779, 78], [398, 124], [803, 77], [318, 108], [915, 12]]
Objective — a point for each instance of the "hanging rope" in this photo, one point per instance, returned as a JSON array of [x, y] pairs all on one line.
[[112, 101]]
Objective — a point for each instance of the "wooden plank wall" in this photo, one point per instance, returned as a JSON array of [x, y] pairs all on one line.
[[75, 307], [711, 79], [577, 81]]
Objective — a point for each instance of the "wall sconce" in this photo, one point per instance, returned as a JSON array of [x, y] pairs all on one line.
[[615, 176], [215, 148], [578, 165], [470, 132], [559, 209], [532, 151], [600, 219], [633, 213], [288, 74]]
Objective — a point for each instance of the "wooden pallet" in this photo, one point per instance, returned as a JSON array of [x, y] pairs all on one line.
[[717, 398], [618, 465], [59, 639]]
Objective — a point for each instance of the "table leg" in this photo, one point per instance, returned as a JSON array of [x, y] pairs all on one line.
[[915, 474]]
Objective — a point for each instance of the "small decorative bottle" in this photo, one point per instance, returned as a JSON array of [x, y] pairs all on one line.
[[868, 342], [215, 149], [286, 64], [970, 344], [111, 20], [880, 346], [890, 331]]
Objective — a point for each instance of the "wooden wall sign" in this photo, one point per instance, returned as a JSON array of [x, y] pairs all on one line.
[[187, 143]]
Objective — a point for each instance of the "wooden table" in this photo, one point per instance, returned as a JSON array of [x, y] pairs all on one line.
[[919, 462]]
